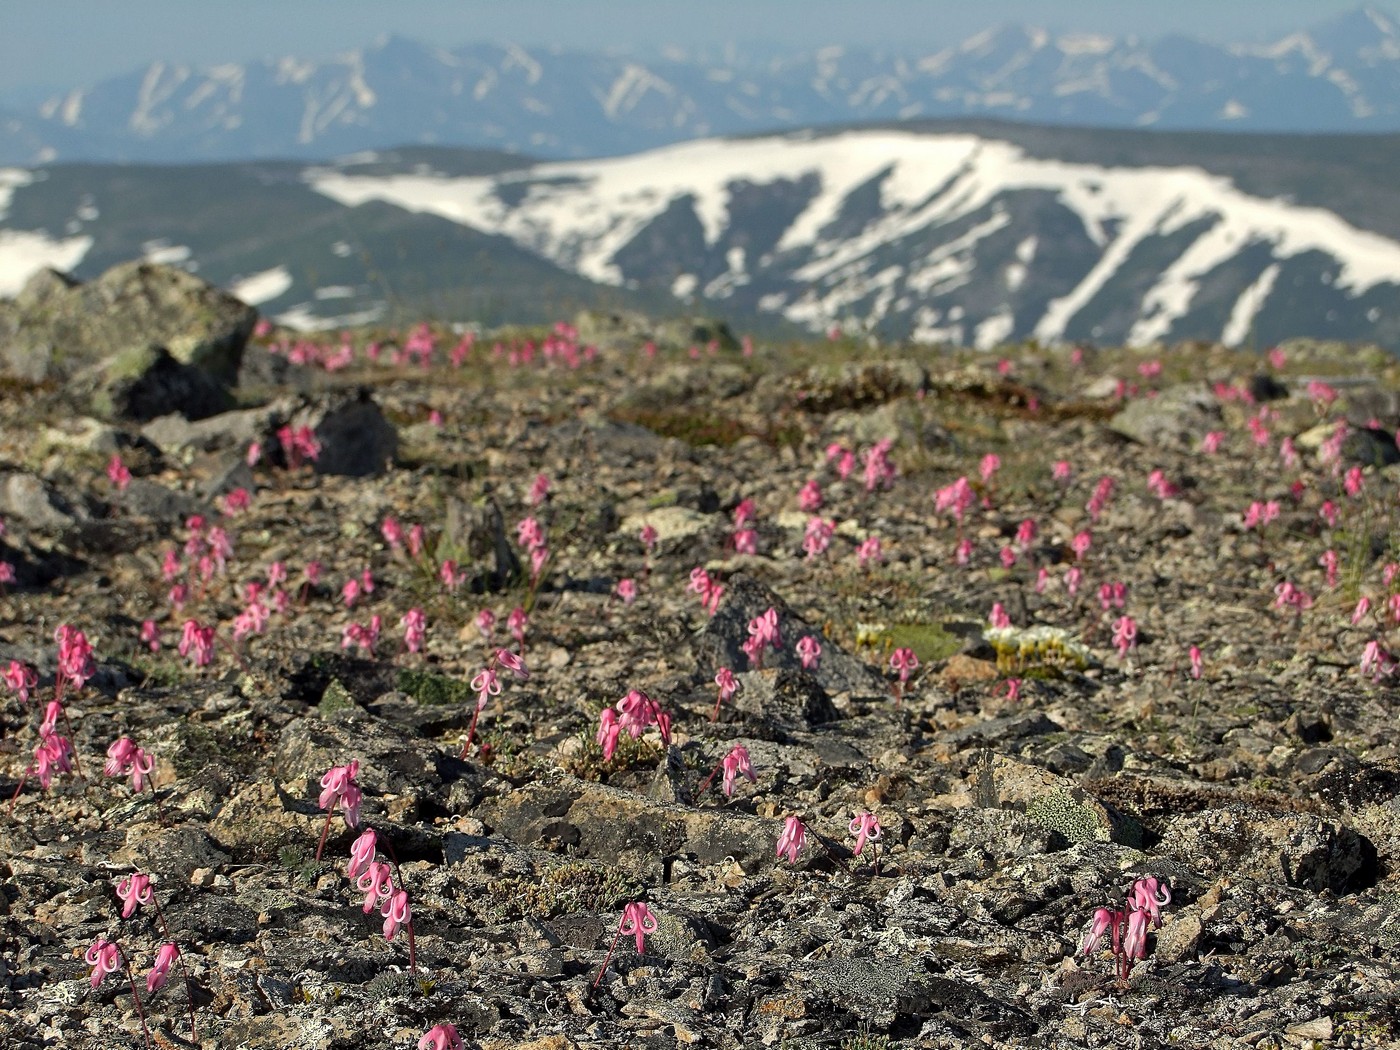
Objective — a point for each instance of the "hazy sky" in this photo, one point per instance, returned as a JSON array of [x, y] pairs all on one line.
[[53, 43]]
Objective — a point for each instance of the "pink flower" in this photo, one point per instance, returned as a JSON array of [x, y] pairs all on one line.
[[1106, 921], [1060, 471], [962, 553], [1328, 513], [1194, 655], [485, 622], [350, 592], [197, 643], [117, 473], [539, 489], [1008, 557], [810, 652], [374, 882], [529, 534], [415, 629], [361, 853], [21, 678], [160, 972], [998, 617], [1352, 482], [396, 913], [1363, 606], [516, 623], [1042, 579], [1149, 895], [868, 551], [637, 921], [743, 513], [649, 538], [1081, 543], [809, 499], [990, 464], [608, 730], [1330, 564], [338, 786], [1124, 635], [440, 1037], [736, 762], [746, 541], [415, 541], [75, 663], [486, 685], [512, 663], [865, 828], [125, 758], [134, 891], [903, 662], [793, 838], [450, 577], [818, 536], [52, 754], [104, 957]]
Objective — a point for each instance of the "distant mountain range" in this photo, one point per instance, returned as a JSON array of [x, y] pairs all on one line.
[[1341, 75], [970, 232]]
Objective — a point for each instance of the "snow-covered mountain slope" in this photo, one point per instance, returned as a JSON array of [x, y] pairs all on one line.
[[937, 237], [1340, 75]]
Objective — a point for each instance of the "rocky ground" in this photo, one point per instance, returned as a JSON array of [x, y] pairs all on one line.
[[1266, 793]]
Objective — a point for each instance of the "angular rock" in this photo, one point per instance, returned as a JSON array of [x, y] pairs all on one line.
[[720, 643], [145, 382], [357, 441], [1175, 418], [52, 331], [33, 501], [474, 536], [1052, 801]]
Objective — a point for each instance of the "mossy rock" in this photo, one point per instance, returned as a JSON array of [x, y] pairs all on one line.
[[335, 698], [429, 688], [931, 642]]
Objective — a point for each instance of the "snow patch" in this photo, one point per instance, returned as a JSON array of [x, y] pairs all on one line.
[[23, 253], [262, 287], [1247, 307]]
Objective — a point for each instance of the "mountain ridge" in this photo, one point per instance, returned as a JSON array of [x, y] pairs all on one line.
[[1343, 73]]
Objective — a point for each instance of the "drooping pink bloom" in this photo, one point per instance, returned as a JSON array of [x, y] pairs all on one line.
[[415, 629], [818, 536], [1211, 443], [868, 551], [104, 957], [746, 541], [743, 513], [1103, 492], [1124, 635], [75, 663], [1061, 471], [124, 758], [485, 623], [962, 553], [350, 592], [809, 498], [134, 891], [21, 678], [517, 623], [450, 577], [375, 882], [1352, 482], [486, 685], [955, 498], [237, 501], [637, 921], [338, 786], [879, 471], [627, 591], [166, 955], [1008, 557], [1194, 655], [608, 730], [197, 643], [989, 466], [1376, 661], [361, 853], [53, 754], [866, 828], [809, 650], [904, 662], [529, 533], [1081, 543], [512, 663], [117, 473], [396, 912], [793, 838], [735, 763], [1328, 513], [440, 1037], [539, 489], [1330, 564], [998, 617], [1363, 606], [648, 537]]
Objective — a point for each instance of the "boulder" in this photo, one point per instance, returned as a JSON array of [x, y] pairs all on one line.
[[55, 329], [145, 382], [1177, 417], [357, 441]]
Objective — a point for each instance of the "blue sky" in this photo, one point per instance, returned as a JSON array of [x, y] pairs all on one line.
[[47, 44]]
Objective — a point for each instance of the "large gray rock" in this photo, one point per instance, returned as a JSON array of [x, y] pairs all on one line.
[[145, 382], [1177, 417], [357, 441], [54, 328]]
